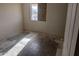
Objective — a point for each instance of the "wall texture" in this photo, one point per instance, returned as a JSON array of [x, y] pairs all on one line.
[[56, 19], [10, 20]]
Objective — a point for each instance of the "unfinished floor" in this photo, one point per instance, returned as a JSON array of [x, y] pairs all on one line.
[[39, 45]]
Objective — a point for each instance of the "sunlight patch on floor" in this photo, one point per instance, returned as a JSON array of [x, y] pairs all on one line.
[[14, 51]]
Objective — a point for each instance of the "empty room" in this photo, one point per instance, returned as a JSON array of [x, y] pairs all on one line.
[[32, 29]]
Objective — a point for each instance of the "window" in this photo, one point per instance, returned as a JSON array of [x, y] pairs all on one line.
[[34, 12], [38, 11]]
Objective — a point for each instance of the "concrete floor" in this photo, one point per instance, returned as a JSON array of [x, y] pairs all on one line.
[[7, 44], [40, 45]]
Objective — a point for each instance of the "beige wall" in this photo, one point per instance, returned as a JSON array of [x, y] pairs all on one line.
[[10, 20], [56, 19]]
